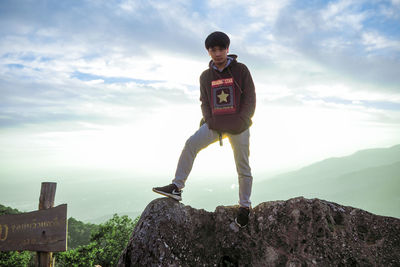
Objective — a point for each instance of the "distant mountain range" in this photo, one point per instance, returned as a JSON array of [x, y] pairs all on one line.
[[368, 179]]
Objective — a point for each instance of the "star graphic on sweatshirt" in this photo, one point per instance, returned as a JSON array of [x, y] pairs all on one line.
[[223, 97]]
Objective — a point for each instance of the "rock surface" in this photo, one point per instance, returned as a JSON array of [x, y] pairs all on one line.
[[297, 232]]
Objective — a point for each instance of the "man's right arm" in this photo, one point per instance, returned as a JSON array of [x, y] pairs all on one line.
[[205, 104]]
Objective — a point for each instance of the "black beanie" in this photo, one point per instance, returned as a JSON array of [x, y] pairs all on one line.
[[217, 39]]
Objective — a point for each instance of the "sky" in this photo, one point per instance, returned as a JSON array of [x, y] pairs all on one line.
[[98, 89]]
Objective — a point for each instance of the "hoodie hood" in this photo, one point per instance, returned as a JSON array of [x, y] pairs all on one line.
[[231, 58]]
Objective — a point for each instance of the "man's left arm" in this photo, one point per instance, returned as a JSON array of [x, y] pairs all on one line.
[[248, 98]]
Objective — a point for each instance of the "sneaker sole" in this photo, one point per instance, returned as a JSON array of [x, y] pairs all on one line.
[[175, 197]]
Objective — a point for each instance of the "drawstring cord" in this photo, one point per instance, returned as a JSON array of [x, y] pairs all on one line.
[[240, 89]]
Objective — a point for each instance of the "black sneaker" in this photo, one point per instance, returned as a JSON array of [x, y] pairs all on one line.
[[171, 191], [242, 217]]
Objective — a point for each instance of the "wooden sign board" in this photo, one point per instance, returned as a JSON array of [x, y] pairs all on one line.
[[42, 230]]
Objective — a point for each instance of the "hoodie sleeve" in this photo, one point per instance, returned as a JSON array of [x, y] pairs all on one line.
[[205, 103], [248, 98]]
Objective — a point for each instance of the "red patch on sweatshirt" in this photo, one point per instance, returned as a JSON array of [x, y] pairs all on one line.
[[223, 96]]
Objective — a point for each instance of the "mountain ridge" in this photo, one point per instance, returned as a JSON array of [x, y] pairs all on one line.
[[371, 157], [376, 193]]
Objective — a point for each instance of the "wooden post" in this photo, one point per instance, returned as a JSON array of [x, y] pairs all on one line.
[[46, 201]]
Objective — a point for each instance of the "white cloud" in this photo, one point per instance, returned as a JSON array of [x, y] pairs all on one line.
[[335, 44], [266, 10], [335, 8], [129, 5], [223, 3], [396, 2], [375, 41], [177, 15], [48, 32], [340, 15]]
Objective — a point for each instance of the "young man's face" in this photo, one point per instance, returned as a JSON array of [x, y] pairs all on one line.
[[218, 54]]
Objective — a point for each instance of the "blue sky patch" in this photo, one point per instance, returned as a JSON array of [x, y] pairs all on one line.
[[15, 66], [384, 105], [108, 80]]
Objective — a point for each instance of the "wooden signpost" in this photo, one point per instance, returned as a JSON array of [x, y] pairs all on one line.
[[44, 231]]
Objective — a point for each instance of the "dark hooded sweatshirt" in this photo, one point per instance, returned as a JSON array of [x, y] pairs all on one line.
[[228, 98]]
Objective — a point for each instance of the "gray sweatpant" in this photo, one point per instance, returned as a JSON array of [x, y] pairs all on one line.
[[204, 137]]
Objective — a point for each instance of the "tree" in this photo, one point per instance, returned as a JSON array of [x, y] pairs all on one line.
[[111, 239], [16, 259], [81, 256], [107, 243], [79, 233], [8, 210]]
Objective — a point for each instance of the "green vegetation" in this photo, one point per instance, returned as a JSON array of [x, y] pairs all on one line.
[[88, 244], [8, 210], [106, 244], [17, 259], [79, 233]]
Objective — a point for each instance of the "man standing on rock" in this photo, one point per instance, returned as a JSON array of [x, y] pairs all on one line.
[[228, 102]]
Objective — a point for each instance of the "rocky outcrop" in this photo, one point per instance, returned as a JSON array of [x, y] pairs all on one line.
[[297, 232]]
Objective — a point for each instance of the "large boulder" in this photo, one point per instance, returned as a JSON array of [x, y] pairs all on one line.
[[297, 232]]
